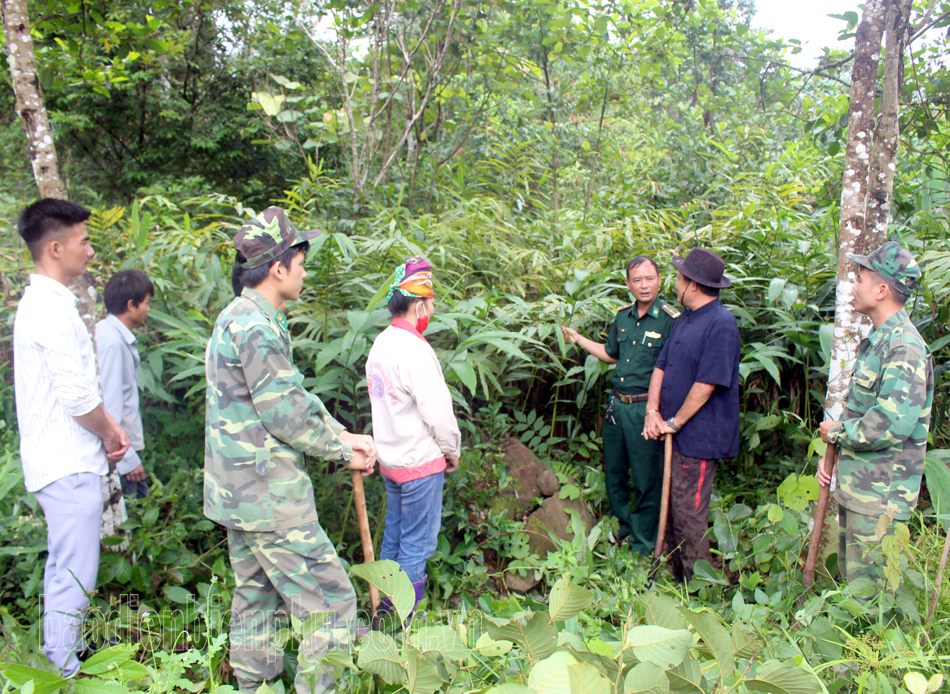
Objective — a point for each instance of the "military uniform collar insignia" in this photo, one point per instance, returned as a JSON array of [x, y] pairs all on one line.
[[886, 327]]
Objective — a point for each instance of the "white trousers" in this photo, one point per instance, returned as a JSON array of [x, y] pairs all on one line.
[[73, 509]]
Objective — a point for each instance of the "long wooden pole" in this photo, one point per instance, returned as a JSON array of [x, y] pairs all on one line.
[[831, 457], [665, 498], [664, 502], [366, 537], [939, 581]]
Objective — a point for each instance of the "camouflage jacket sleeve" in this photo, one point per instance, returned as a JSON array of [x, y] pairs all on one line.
[[897, 406], [286, 409]]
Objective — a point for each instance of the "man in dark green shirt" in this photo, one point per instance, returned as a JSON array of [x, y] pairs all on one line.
[[636, 337]]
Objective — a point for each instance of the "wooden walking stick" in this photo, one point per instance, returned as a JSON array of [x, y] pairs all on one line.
[[367, 539], [664, 503], [831, 458]]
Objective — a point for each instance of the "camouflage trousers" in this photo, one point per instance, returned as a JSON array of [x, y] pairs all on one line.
[[287, 572], [859, 554]]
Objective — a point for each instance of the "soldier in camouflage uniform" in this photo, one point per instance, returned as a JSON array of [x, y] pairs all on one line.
[[882, 437], [260, 425]]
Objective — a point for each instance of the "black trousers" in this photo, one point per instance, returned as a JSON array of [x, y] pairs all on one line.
[[687, 523]]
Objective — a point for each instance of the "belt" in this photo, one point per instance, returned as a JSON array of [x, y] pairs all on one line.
[[628, 399]]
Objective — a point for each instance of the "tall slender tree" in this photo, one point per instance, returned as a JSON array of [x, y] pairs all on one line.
[[31, 109]]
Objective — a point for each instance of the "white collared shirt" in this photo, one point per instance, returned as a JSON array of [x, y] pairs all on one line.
[[55, 378]]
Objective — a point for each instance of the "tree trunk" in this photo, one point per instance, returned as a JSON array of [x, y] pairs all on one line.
[[887, 132], [29, 104], [849, 325], [31, 109]]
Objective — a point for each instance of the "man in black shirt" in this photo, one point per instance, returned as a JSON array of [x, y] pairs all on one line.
[[694, 395]]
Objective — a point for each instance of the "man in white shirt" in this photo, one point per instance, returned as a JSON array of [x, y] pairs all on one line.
[[127, 296], [67, 439]]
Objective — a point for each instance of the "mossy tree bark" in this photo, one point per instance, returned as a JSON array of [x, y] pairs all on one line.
[[31, 109]]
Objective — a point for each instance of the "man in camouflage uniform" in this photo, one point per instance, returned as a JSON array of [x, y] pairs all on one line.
[[636, 337], [882, 437], [260, 425]]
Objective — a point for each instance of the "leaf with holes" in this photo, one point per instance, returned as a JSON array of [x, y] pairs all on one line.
[[535, 636], [392, 582], [487, 646], [687, 678]]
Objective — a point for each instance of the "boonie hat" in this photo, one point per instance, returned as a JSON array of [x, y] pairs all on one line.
[[267, 236], [704, 267], [894, 264]]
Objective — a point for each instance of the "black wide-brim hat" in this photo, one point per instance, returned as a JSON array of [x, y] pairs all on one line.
[[704, 267]]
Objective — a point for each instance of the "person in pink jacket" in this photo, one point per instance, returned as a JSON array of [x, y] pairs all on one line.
[[417, 437]]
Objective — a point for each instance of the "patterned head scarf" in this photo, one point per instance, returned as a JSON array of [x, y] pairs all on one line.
[[413, 279]]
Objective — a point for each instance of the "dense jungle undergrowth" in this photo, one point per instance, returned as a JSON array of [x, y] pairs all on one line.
[[505, 283], [548, 153]]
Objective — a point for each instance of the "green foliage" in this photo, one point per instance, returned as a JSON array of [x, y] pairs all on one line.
[[557, 141]]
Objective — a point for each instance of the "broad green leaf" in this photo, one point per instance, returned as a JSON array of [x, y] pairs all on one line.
[[379, 655], [489, 647], [916, 683], [43, 682], [584, 678], [646, 678], [687, 678], [392, 582], [422, 677], [937, 473], [510, 688], [826, 336], [270, 103], [311, 624], [779, 678], [441, 639], [466, 372], [550, 676], [132, 670], [575, 642], [381, 292], [97, 685], [599, 647], [568, 599], [661, 611], [339, 657], [715, 637], [663, 647], [535, 636], [108, 658], [178, 594], [776, 287]]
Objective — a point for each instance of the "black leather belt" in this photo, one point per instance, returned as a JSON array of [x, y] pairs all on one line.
[[628, 399]]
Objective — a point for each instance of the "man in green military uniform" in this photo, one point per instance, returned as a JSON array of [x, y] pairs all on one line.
[[636, 337], [260, 424], [882, 436]]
